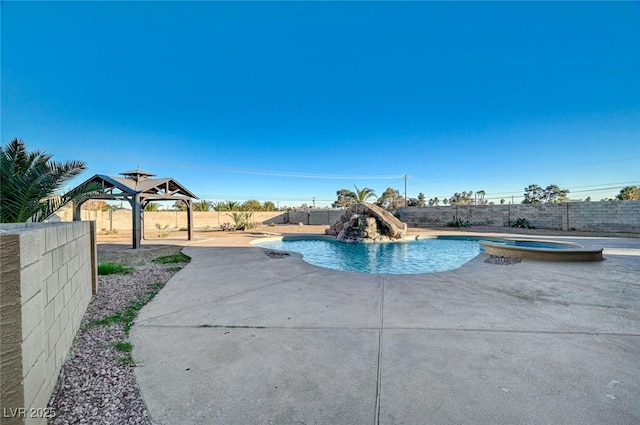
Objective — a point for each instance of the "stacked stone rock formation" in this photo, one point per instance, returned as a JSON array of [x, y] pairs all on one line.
[[366, 222]]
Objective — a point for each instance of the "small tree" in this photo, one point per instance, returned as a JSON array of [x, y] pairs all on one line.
[[268, 206]]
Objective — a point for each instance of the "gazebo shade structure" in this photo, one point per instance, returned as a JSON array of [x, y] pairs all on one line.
[[139, 188]]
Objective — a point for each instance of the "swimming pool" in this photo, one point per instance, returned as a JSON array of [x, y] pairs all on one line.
[[406, 257]]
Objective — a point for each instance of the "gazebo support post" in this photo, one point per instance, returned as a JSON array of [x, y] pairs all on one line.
[[189, 220], [136, 219]]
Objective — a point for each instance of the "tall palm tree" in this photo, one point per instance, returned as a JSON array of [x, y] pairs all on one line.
[[233, 205], [152, 206], [363, 194], [31, 181], [203, 205]]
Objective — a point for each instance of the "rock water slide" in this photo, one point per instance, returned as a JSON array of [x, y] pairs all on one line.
[[366, 222]]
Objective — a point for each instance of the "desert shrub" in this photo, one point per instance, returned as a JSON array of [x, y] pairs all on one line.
[[242, 221], [458, 222], [522, 223], [162, 233]]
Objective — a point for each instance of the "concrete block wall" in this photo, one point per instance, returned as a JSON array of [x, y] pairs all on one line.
[[605, 216], [609, 216], [120, 220], [48, 272], [314, 217]]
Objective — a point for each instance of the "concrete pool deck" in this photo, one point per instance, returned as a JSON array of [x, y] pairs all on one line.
[[238, 337]]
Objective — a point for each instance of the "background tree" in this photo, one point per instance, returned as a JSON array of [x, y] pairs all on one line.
[[462, 198], [346, 197], [233, 206], [220, 206], [629, 193], [390, 199], [421, 200], [30, 182], [413, 202], [480, 194], [268, 206], [534, 194], [252, 205], [555, 195], [445, 201], [363, 194], [95, 206], [202, 205], [179, 206], [152, 206]]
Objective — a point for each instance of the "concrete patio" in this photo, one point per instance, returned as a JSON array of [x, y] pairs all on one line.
[[237, 337]]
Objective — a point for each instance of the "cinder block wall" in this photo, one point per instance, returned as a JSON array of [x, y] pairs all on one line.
[[610, 216], [48, 272]]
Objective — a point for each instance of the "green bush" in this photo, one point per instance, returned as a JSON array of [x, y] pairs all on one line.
[[242, 221], [522, 223], [458, 222]]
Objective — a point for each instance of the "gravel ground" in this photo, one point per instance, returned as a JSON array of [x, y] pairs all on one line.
[[96, 383]]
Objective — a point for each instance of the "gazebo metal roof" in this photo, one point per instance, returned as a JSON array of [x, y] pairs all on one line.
[[139, 189]]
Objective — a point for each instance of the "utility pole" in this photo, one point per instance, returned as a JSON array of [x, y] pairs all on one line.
[[314, 201], [405, 189]]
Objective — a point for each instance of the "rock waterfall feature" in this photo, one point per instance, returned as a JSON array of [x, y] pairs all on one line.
[[368, 223]]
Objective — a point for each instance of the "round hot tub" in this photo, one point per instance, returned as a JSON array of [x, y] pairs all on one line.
[[540, 250]]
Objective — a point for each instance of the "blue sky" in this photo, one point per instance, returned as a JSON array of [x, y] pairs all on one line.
[[290, 101]]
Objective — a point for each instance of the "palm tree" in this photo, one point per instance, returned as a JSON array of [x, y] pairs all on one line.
[[363, 194], [202, 205], [233, 205], [179, 206], [31, 181], [152, 206]]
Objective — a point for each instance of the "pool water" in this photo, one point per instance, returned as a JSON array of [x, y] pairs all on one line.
[[408, 257]]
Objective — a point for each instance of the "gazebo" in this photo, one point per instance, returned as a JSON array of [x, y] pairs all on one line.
[[139, 188]]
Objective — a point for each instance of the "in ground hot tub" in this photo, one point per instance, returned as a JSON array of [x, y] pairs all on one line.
[[541, 250]]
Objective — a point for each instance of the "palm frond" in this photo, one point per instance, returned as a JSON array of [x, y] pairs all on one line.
[[30, 183]]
